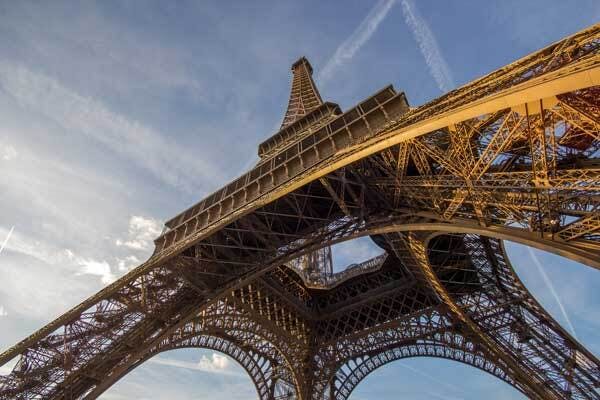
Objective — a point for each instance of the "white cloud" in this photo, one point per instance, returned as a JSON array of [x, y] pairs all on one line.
[[3, 312], [66, 258], [42, 280], [216, 363], [127, 263], [357, 39], [8, 153], [141, 234], [438, 68], [77, 114], [99, 268], [51, 192]]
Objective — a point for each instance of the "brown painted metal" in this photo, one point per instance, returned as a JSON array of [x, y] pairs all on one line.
[[304, 97], [247, 271]]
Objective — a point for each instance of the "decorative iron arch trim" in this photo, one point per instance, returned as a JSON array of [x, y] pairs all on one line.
[[261, 378], [430, 350], [216, 329], [221, 345]]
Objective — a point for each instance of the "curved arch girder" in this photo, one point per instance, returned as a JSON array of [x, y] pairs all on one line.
[[222, 327], [256, 366], [506, 318], [356, 370], [499, 313]]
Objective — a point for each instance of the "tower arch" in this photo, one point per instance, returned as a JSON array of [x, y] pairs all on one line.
[[350, 375], [267, 367], [471, 272]]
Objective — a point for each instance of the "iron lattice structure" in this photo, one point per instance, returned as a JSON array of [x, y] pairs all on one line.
[[246, 271]]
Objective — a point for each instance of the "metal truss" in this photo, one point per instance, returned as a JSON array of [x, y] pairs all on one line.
[[304, 96], [247, 271], [227, 328], [488, 321]]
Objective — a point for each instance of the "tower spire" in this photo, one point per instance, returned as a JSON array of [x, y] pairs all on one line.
[[304, 95]]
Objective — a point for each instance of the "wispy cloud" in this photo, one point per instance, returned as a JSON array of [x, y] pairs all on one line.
[[141, 233], [216, 364], [433, 379], [12, 228], [357, 39], [443, 396], [32, 268], [98, 268], [438, 68], [550, 286], [77, 114], [71, 262], [127, 263], [8, 153]]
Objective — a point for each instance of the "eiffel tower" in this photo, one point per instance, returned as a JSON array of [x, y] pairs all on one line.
[[248, 270]]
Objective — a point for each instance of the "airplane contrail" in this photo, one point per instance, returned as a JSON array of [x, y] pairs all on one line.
[[436, 63], [7, 238], [550, 286], [357, 39]]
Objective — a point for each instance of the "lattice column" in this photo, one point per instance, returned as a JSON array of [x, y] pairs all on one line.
[[472, 276], [304, 96]]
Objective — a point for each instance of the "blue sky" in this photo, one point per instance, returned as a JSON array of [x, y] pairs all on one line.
[[115, 116]]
